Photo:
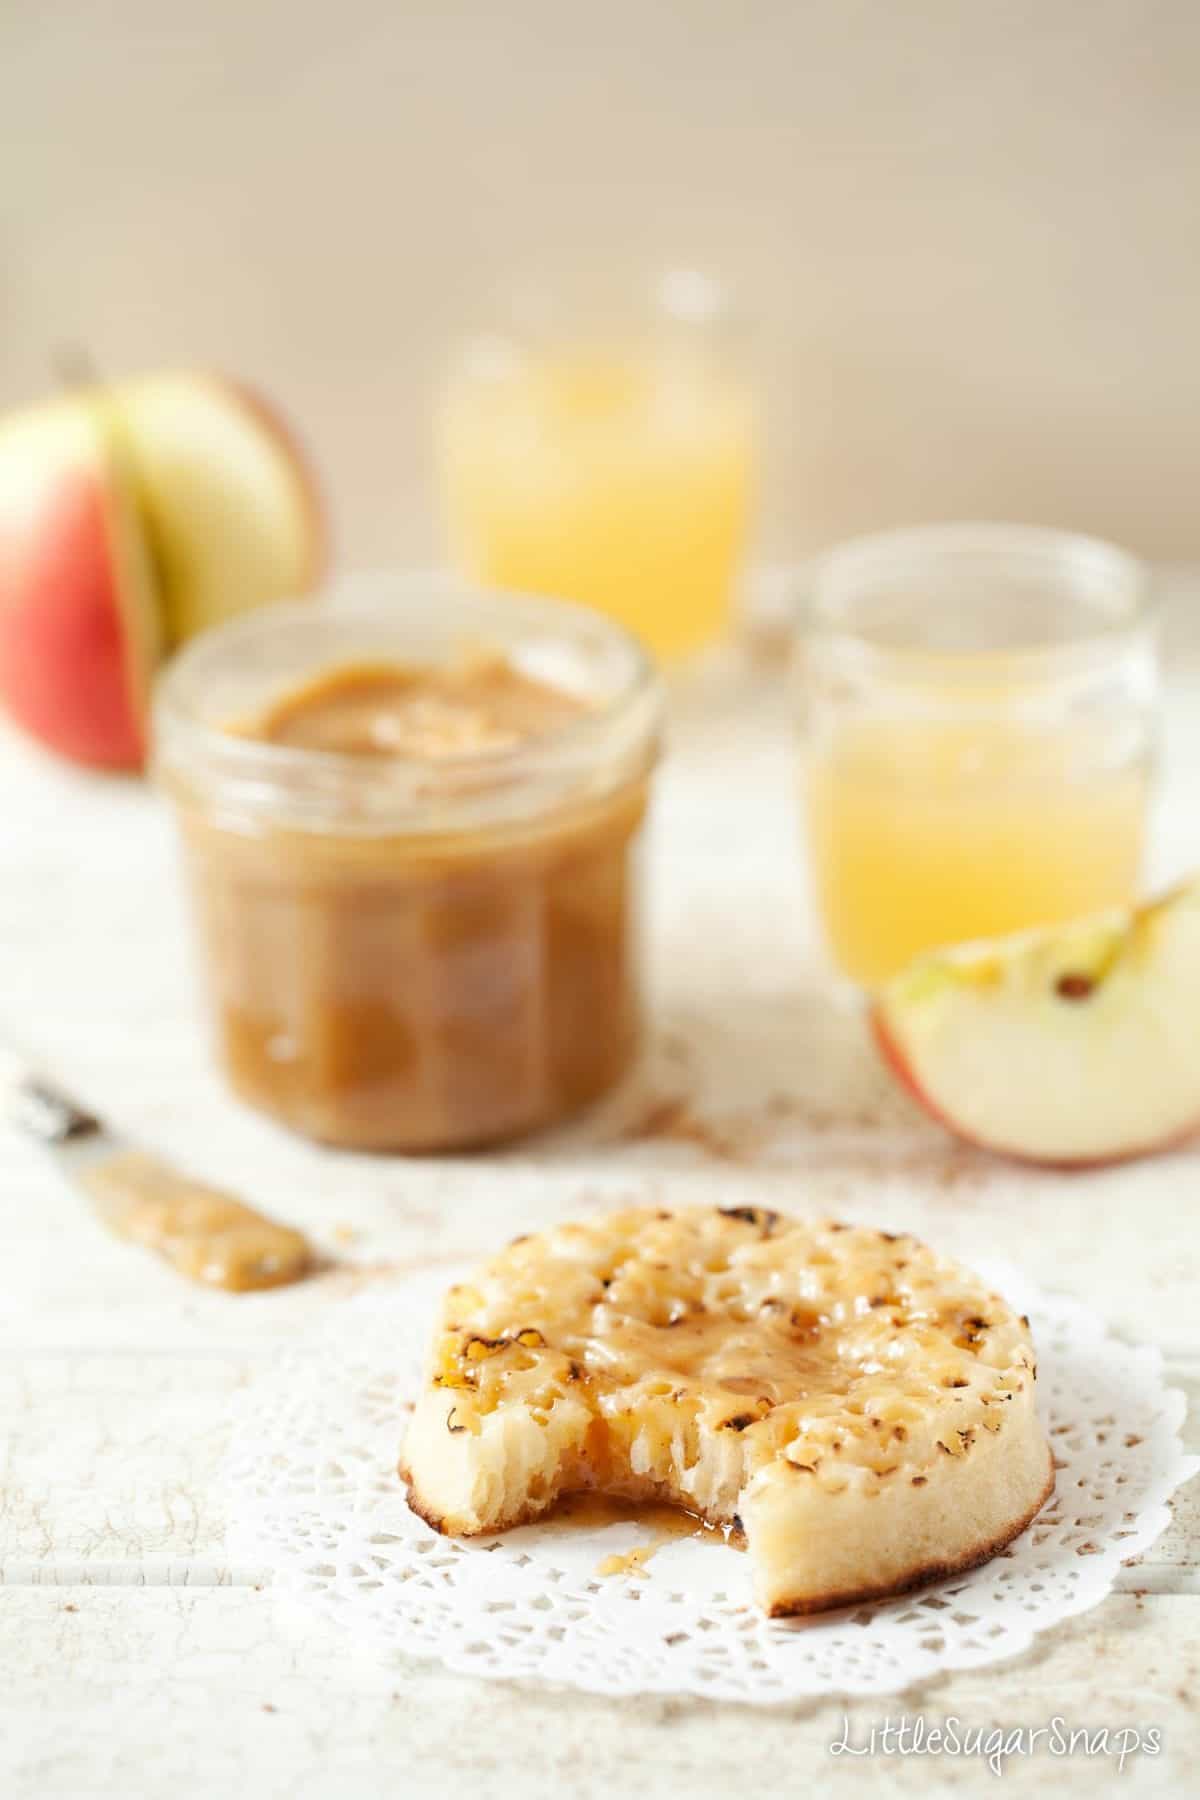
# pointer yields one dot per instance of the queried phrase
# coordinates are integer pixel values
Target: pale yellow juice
(619, 478)
(928, 832)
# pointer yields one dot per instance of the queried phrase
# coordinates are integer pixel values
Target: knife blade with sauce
(207, 1235)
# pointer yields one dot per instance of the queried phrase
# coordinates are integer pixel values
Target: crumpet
(860, 1408)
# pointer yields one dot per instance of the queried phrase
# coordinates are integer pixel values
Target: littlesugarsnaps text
(995, 1745)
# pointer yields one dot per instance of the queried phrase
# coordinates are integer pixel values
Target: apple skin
(78, 632)
(132, 517)
(894, 1057)
(62, 652)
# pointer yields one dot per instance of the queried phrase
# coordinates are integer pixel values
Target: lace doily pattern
(313, 1495)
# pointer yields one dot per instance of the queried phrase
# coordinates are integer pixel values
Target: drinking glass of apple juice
(979, 714)
(589, 451)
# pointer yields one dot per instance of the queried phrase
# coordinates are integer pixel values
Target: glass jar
(406, 953)
(979, 716)
(604, 457)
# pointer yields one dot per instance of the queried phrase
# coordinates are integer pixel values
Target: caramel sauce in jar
(415, 883)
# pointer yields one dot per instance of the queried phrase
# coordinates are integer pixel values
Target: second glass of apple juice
(979, 713)
(590, 456)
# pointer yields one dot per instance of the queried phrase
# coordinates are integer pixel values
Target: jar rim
(1121, 605)
(332, 791)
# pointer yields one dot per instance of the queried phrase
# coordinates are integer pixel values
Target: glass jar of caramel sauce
(410, 818)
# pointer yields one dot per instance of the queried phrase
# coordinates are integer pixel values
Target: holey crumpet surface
(861, 1410)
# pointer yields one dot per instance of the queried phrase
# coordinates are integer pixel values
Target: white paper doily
(313, 1495)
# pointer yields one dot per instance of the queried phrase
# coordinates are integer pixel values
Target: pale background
(968, 229)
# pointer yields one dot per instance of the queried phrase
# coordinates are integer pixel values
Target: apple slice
(232, 510)
(1071, 1045)
(79, 628)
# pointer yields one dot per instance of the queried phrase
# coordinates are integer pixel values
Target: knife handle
(46, 1113)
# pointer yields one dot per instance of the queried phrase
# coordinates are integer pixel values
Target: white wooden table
(137, 1659)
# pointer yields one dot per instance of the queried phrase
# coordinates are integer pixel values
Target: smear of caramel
(206, 1235)
(661, 1524)
(672, 1119)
